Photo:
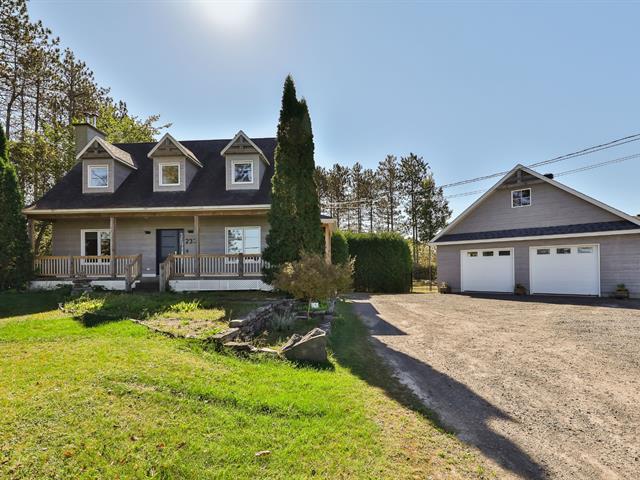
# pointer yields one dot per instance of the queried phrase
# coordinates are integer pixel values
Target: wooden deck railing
(88, 266)
(211, 265)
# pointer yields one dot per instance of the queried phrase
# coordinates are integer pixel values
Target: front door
(168, 241)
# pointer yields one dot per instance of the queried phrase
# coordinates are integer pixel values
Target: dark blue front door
(168, 241)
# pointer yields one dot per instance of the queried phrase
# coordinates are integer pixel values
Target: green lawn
(114, 400)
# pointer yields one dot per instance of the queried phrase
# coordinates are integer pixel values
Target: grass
(423, 286)
(115, 400)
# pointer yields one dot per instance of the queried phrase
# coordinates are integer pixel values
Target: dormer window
(98, 176)
(169, 174)
(521, 198)
(242, 171)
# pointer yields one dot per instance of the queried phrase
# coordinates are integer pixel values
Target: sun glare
(227, 14)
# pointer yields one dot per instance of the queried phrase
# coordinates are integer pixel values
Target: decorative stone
(310, 348)
(237, 323)
(225, 336)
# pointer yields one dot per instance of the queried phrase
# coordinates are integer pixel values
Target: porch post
(112, 260)
(196, 231)
(327, 242)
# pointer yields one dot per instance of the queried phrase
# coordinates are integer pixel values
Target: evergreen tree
(15, 254)
(413, 171)
(295, 210)
(433, 214)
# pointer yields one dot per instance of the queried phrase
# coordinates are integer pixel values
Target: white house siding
(619, 260)
(131, 238)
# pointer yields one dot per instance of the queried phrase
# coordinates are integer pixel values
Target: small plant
(282, 320)
(312, 278)
(185, 307)
(621, 291)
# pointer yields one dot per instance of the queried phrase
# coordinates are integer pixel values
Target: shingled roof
(208, 188)
(540, 231)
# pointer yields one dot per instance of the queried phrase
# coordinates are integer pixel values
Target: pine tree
(15, 254)
(295, 210)
(413, 171)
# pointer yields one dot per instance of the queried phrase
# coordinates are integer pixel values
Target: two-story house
(193, 213)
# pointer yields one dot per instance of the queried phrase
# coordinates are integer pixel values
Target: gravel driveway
(543, 387)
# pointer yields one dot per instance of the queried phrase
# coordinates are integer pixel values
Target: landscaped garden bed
(190, 315)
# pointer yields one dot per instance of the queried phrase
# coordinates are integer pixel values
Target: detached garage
(531, 231)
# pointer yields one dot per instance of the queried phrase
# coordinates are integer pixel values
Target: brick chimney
(85, 131)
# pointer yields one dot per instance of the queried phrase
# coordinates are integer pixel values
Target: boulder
(310, 348)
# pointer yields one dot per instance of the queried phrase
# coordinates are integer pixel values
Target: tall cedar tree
(15, 254)
(295, 209)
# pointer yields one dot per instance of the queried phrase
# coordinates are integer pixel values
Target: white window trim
(522, 190)
(83, 232)
(233, 171)
(169, 164)
(91, 167)
(226, 238)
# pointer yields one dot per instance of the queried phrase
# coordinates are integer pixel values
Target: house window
(243, 240)
(521, 198)
(169, 174)
(487, 254)
(98, 176)
(95, 243)
(563, 251)
(543, 251)
(242, 172)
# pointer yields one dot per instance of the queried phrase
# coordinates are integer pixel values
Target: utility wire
(560, 174)
(586, 151)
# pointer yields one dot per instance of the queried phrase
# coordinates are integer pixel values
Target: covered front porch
(183, 252)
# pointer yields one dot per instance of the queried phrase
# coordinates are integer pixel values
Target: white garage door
(487, 270)
(565, 270)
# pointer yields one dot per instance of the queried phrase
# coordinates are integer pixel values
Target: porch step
(147, 284)
(80, 286)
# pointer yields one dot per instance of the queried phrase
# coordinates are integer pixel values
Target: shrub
(339, 248)
(382, 262)
(421, 272)
(312, 278)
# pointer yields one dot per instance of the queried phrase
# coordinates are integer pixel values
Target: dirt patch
(186, 327)
(543, 387)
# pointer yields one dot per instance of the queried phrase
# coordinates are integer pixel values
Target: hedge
(382, 262)
(339, 248)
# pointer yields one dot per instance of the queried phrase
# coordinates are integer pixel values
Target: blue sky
(472, 87)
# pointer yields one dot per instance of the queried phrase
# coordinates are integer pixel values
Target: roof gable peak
(242, 141)
(113, 151)
(166, 139)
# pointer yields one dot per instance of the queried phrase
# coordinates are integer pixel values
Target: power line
(586, 151)
(560, 174)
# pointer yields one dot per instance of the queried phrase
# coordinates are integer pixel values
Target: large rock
(310, 348)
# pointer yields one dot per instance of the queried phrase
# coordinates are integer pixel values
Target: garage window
(521, 198)
(472, 254)
(543, 251)
(487, 254)
(585, 249)
(504, 253)
(563, 251)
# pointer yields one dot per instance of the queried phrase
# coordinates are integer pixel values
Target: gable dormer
(174, 165)
(245, 163)
(104, 166)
